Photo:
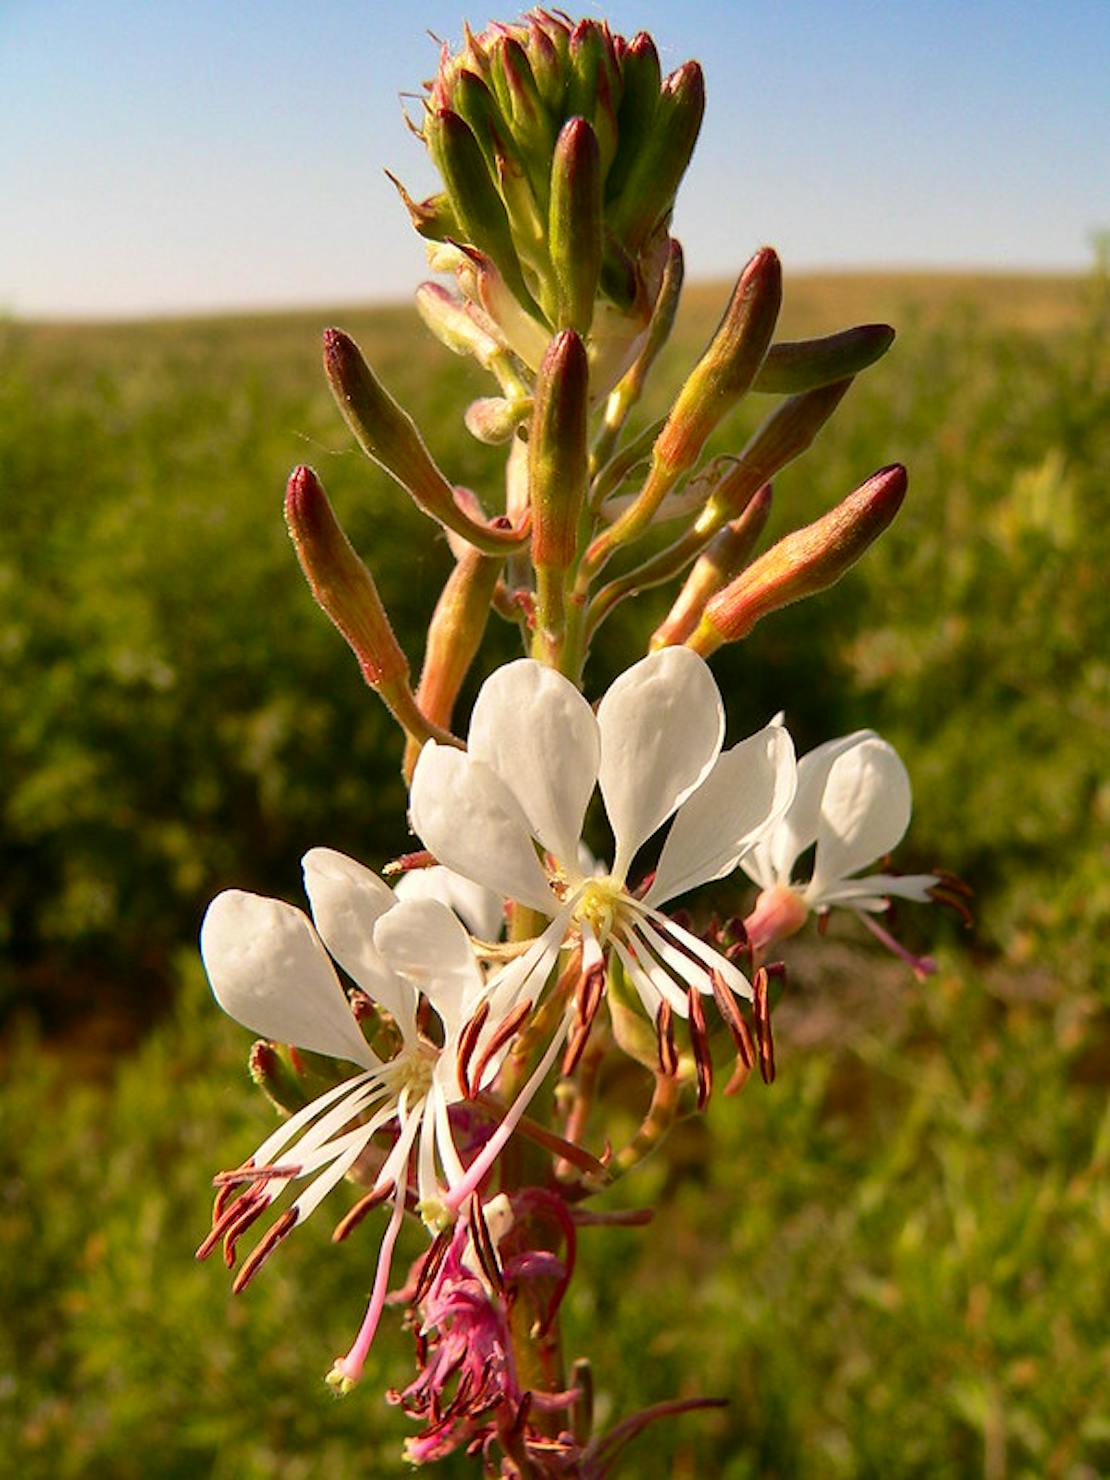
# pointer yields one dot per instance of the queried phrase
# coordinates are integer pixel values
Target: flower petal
(533, 727)
(798, 829)
(873, 891)
(427, 946)
(270, 972)
(865, 811)
(746, 792)
(480, 910)
(471, 821)
(662, 724)
(347, 901)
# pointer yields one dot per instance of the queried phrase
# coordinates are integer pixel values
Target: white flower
(536, 752)
(853, 801)
(269, 970)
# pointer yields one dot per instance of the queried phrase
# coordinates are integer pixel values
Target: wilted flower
(853, 801)
(270, 971)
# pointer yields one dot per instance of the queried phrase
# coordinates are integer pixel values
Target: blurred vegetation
(893, 1261)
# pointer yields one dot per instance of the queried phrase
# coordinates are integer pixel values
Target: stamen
(954, 896)
(225, 1217)
(763, 1037)
(588, 996)
(262, 1251)
(254, 1204)
(729, 1009)
(483, 1244)
(253, 1174)
(699, 1042)
(433, 1260)
(500, 1037)
(468, 1042)
(350, 1221)
(664, 1036)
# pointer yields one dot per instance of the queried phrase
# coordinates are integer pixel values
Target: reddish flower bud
(807, 561)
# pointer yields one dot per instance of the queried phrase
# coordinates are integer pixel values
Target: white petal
(270, 972)
(798, 829)
(427, 946)
(480, 910)
(347, 901)
(533, 727)
(746, 792)
(865, 811)
(874, 890)
(662, 723)
(471, 821)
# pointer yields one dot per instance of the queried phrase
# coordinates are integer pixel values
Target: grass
(892, 1261)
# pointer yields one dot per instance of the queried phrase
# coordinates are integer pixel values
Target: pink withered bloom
(269, 969)
(853, 801)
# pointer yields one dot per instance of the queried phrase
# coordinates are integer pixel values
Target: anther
(762, 1009)
(483, 1245)
(699, 1042)
(664, 1035)
(500, 1036)
(350, 1221)
(262, 1251)
(433, 1260)
(468, 1042)
(252, 1205)
(728, 1008)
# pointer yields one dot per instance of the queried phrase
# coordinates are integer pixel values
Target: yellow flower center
(599, 906)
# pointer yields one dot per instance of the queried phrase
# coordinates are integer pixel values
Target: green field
(893, 1261)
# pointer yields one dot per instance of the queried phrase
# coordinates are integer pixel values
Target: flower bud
(454, 636)
(648, 191)
(577, 232)
(807, 561)
(271, 1072)
(727, 368)
(805, 364)
(724, 557)
(474, 197)
(574, 234)
(557, 451)
(340, 581)
(389, 437)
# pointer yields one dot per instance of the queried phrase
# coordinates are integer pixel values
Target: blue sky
(187, 154)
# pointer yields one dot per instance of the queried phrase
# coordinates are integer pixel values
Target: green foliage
(893, 1260)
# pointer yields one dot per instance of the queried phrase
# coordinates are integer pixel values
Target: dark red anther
(575, 1048)
(699, 1042)
(468, 1042)
(664, 1037)
(500, 1036)
(262, 1251)
(252, 1205)
(249, 1173)
(483, 1245)
(433, 1259)
(729, 1009)
(225, 1217)
(822, 922)
(350, 1221)
(763, 1037)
